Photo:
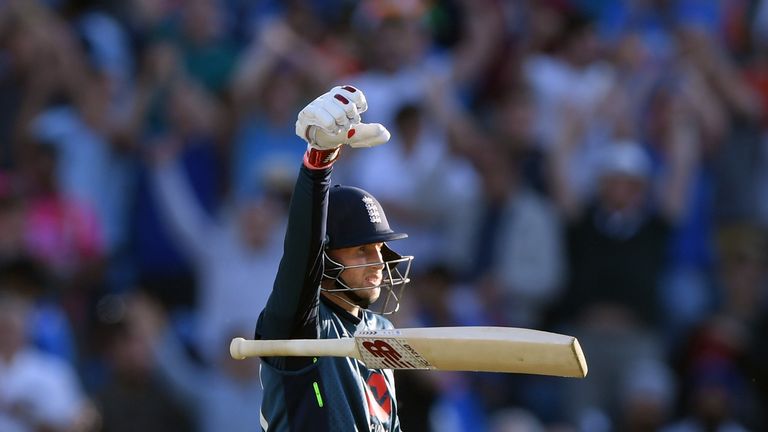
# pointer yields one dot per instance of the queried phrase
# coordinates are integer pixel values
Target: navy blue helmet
(356, 218)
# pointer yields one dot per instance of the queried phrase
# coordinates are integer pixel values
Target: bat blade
(481, 349)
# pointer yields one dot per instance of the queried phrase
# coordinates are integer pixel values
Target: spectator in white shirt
(232, 252)
(38, 391)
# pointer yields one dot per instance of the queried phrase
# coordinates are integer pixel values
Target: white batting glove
(333, 120)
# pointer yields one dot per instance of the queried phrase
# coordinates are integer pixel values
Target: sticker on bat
(390, 353)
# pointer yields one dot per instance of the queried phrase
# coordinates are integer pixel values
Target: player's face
(365, 276)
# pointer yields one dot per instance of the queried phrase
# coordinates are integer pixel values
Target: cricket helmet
(356, 218)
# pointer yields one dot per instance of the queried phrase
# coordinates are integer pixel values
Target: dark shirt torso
(615, 270)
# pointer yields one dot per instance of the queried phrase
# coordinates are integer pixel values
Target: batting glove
(333, 120)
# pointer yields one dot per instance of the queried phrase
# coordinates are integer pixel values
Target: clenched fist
(333, 120)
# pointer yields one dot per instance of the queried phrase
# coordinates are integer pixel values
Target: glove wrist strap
(320, 159)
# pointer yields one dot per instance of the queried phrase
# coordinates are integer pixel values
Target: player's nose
(377, 265)
(376, 261)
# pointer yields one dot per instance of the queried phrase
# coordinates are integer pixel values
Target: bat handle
(235, 348)
(241, 348)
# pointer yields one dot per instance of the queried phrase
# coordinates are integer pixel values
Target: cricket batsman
(336, 263)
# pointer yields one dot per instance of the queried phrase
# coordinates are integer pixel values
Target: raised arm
(191, 226)
(328, 123)
(569, 201)
(683, 152)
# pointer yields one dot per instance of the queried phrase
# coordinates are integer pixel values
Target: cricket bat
(480, 349)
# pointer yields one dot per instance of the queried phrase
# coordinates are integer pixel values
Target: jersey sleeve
(292, 309)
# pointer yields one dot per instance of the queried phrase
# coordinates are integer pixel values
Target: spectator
(647, 396)
(233, 253)
(38, 391)
(712, 401)
(515, 247)
(172, 108)
(135, 397)
(207, 48)
(49, 329)
(622, 218)
(222, 394)
(62, 232)
(616, 243)
(569, 72)
(719, 347)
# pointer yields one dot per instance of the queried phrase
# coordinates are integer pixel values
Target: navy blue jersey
(324, 393)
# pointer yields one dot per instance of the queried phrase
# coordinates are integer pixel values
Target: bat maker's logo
(388, 354)
(373, 210)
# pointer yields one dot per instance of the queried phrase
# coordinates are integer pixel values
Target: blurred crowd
(597, 168)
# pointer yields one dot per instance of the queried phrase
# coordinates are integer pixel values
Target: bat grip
(241, 348)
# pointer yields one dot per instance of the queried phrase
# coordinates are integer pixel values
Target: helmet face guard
(395, 277)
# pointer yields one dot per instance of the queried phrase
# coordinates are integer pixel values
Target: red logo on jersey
(377, 395)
